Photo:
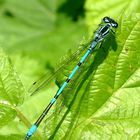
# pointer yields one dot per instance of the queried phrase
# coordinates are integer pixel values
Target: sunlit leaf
(11, 90)
(104, 101)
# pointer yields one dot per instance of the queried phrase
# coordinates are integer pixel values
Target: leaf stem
(27, 123)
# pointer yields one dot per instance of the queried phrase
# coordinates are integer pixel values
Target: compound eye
(114, 25)
(106, 19)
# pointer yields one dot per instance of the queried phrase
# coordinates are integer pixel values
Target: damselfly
(106, 27)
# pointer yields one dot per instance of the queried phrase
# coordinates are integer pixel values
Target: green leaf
(11, 90)
(102, 101)
(11, 98)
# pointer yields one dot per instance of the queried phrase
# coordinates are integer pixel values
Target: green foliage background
(103, 100)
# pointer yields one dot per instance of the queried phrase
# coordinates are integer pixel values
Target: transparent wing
(57, 110)
(45, 79)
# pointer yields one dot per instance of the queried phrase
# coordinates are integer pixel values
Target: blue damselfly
(106, 27)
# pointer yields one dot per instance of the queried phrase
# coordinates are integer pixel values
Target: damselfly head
(110, 21)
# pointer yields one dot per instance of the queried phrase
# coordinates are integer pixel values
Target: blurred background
(35, 34)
